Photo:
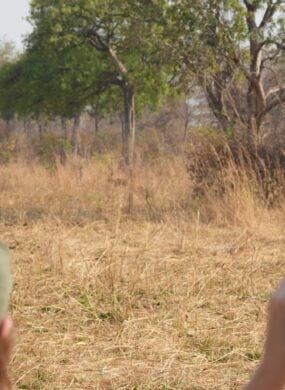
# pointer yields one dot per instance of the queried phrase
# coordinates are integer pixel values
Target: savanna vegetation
(142, 191)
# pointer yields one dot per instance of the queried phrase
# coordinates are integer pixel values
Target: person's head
(5, 319)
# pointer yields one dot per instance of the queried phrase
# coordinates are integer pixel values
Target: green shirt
(5, 280)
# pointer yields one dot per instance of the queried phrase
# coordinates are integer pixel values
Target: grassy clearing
(158, 300)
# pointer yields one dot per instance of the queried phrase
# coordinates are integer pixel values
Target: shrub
(50, 147)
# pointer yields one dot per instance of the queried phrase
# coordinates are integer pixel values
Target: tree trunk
(97, 121)
(122, 121)
(185, 131)
(40, 128)
(129, 128)
(27, 126)
(74, 135)
(255, 106)
(64, 127)
(214, 94)
(8, 128)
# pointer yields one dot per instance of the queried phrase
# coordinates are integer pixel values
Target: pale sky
(13, 25)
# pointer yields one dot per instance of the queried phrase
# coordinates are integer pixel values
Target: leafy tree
(43, 85)
(122, 40)
(8, 56)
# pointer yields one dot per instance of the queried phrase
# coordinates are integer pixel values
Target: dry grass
(158, 300)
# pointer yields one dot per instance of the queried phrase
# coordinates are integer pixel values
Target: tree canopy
(231, 52)
(125, 56)
(96, 47)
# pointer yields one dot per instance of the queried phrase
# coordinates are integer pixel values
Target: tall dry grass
(168, 295)
(81, 191)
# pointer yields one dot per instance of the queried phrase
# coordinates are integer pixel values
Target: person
(6, 326)
(270, 375)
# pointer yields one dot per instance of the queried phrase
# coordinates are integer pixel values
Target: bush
(49, 148)
(7, 150)
(217, 162)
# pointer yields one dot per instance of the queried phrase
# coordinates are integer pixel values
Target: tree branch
(275, 90)
(120, 66)
(270, 57)
(274, 102)
(270, 11)
(251, 7)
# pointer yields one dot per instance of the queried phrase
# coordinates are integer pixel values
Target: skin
(270, 375)
(6, 343)
(6, 326)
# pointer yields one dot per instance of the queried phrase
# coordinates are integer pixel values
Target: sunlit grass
(157, 299)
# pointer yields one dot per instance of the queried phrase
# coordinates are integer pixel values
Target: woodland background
(142, 190)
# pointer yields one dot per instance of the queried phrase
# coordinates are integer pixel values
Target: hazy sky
(12, 20)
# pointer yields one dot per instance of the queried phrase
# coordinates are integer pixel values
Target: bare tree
(233, 56)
